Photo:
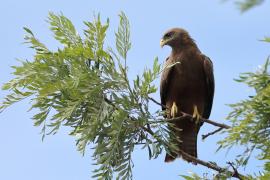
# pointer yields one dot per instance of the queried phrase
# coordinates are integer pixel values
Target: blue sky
(221, 32)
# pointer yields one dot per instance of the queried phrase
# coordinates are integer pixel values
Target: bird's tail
(189, 141)
(188, 144)
(170, 157)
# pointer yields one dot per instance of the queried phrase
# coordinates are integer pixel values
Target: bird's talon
(196, 115)
(174, 110)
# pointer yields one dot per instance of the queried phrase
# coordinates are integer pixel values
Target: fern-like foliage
(85, 85)
(250, 119)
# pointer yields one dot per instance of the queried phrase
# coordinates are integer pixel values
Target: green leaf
(28, 30)
(248, 4)
(63, 29)
(123, 43)
(188, 177)
(266, 39)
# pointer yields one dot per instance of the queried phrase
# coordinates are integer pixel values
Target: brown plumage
(187, 84)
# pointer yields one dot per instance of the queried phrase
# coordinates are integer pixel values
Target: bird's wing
(164, 82)
(210, 85)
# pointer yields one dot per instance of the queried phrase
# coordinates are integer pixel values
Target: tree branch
(213, 166)
(143, 143)
(204, 136)
(201, 162)
(156, 102)
(188, 116)
(185, 116)
(236, 173)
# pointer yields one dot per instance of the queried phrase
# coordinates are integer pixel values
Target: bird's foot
(196, 115)
(174, 110)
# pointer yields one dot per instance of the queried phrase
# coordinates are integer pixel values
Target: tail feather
(189, 141)
(188, 144)
(170, 157)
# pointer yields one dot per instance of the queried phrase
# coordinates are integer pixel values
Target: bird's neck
(185, 48)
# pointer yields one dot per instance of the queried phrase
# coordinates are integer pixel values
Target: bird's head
(175, 37)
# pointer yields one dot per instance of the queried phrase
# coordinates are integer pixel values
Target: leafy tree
(250, 120)
(85, 86)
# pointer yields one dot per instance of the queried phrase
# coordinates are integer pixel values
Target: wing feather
(164, 83)
(210, 85)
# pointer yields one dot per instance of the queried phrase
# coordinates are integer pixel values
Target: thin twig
(143, 143)
(213, 166)
(236, 173)
(189, 117)
(201, 162)
(185, 116)
(225, 126)
(204, 136)
(155, 101)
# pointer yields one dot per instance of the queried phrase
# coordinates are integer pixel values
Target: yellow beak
(162, 43)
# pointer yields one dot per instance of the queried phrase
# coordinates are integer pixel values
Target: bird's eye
(167, 35)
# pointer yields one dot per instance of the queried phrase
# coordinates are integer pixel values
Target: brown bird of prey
(187, 85)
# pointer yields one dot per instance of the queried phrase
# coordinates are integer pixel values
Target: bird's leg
(196, 115)
(174, 110)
